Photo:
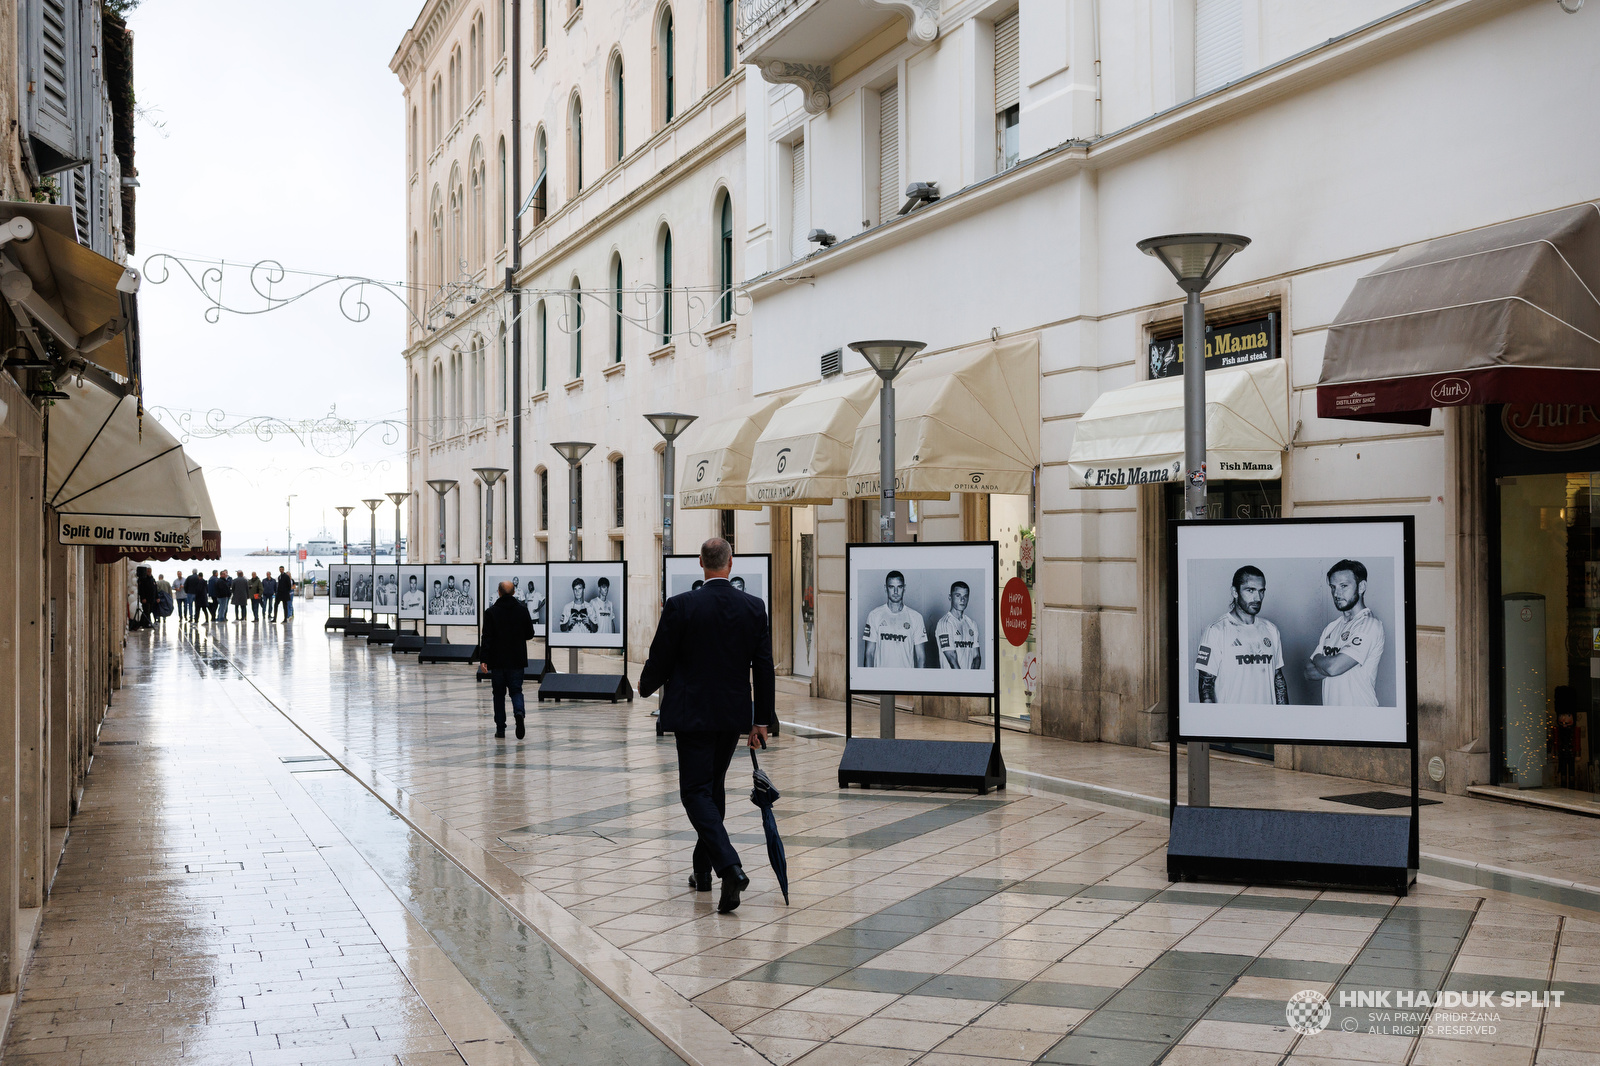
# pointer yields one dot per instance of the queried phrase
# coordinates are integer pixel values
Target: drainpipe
(1094, 14)
(516, 295)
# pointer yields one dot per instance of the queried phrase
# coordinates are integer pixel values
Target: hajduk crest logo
(1451, 390)
(1308, 1012)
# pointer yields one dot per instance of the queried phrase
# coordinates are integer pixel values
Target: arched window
(436, 109)
(500, 26)
(501, 384)
(436, 216)
(727, 37)
(475, 54)
(541, 349)
(505, 196)
(414, 411)
(544, 498)
(665, 245)
(616, 492)
(479, 218)
(416, 146)
(666, 68)
(575, 145)
(457, 205)
(575, 318)
(480, 58)
(480, 378)
(416, 273)
(542, 10)
(437, 388)
(616, 308)
(456, 103)
(538, 195)
(725, 258)
(614, 112)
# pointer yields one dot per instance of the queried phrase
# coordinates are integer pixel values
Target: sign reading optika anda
(127, 530)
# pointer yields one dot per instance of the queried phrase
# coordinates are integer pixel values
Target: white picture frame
(386, 591)
(533, 589)
(600, 620)
(455, 601)
(413, 601)
(750, 573)
(361, 576)
(339, 584)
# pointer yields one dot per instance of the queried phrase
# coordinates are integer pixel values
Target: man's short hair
(577, 581)
(891, 575)
(603, 583)
(963, 586)
(716, 554)
(1247, 571)
(1358, 570)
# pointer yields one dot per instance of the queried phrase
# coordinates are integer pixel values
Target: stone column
(61, 702)
(10, 643)
(33, 827)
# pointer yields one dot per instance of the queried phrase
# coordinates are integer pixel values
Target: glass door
(1008, 515)
(803, 561)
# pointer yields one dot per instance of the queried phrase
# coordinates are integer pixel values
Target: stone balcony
(797, 42)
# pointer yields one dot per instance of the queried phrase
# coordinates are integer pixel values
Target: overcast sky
(274, 131)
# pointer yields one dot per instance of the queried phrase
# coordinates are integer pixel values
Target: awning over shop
(113, 481)
(803, 455)
(209, 547)
(717, 456)
(965, 421)
(1134, 435)
(1506, 314)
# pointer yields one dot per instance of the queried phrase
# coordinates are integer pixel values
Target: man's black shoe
(700, 882)
(521, 731)
(733, 883)
(500, 732)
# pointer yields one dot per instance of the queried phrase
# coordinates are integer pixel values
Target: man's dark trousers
(503, 681)
(703, 760)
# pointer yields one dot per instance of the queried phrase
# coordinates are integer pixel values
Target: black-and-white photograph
(750, 573)
(922, 618)
(451, 591)
(1279, 620)
(339, 584)
(361, 586)
(385, 590)
(412, 585)
(531, 589)
(588, 605)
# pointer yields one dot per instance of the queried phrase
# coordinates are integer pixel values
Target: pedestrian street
(298, 848)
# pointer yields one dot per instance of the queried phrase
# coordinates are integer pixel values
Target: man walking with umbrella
(710, 645)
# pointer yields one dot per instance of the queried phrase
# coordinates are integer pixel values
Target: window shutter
(1006, 81)
(55, 62)
(79, 198)
(799, 217)
(1218, 43)
(888, 153)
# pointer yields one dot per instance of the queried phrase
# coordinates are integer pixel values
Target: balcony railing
(755, 15)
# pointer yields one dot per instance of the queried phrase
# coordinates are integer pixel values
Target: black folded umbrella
(763, 795)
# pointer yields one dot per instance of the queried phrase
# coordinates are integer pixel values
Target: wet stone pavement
(296, 848)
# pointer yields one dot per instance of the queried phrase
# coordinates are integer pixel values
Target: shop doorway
(803, 571)
(1008, 519)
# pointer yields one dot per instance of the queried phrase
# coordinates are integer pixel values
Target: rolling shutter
(1006, 81)
(799, 217)
(1218, 43)
(888, 153)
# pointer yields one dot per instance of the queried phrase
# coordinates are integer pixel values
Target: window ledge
(539, 59)
(574, 384)
(540, 397)
(577, 13)
(666, 351)
(615, 370)
(500, 67)
(722, 329)
(615, 533)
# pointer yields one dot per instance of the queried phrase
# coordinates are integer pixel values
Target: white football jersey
(1243, 658)
(1361, 638)
(896, 636)
(957, 637)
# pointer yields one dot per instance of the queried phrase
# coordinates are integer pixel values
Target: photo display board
(386, 590)
(750, 573)
(339, 584)
(1276, 622)
(588, 604)
(532, 588)
(451, 594)
(413, 595)
(361, 586)
(922, 618)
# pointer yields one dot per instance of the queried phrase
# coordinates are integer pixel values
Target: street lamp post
(372, 551)
(397, 498)
(490, 475)
(288, 531)
(573, 452)
(671, 427)
(887, 359)
(1195, 259)
(344, 513)
(441, 487)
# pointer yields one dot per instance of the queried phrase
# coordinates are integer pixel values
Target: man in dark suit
(709, 645)
(503, 648)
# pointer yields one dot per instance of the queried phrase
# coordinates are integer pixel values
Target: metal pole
(397, 559)
(667, 502)
(442, 544)
(488, 524)
(886, 515)
(1194, 488)
(515, 531)
(572, 541)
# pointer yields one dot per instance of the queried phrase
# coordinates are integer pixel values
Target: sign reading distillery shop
(1255, 341)
(1551, 427)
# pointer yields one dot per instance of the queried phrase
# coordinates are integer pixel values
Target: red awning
(1506, 314)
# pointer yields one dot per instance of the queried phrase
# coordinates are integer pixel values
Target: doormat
(1377, 801)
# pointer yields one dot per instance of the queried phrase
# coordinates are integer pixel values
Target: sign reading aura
(1551, 427)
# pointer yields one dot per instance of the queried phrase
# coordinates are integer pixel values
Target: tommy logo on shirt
(1252, 660)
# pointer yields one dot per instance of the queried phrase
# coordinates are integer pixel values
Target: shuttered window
(52, 38)
(1218, 43)
(799, 216)
(1006, 90)
(888, 153)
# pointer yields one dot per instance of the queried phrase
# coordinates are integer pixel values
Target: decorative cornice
(814, 79)
(923, 15)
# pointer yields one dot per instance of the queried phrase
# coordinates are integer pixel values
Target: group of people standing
(200, 598)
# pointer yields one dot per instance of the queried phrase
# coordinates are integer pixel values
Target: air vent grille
(832, 362)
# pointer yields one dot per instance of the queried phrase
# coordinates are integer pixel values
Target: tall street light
(490, 475)
(344, 513)
(573, 452)
(441, 487)
(288, 531)
(671, 426)
(372, 545)
(887, 358)
(1195, 259)
(397, 498)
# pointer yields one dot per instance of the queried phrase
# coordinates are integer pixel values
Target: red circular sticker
(1016, 612)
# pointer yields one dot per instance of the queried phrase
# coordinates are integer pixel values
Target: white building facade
(1058, 134)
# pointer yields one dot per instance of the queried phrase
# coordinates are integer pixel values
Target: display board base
(974, 764)
(446, 653)
(1322, 849)
(358, 627)
(407, 641)
(536, 670)
(382, 635)
(338, 623)
(611, 687)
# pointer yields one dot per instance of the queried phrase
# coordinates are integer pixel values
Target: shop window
(726, 526)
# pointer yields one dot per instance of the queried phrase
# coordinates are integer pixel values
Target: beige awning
(803, 455)
(717, 456)
(965, 421)
(115, 481)
(1134, 435)
(82, 298)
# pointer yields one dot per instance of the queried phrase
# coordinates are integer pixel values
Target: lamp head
(397, 498)
(1194, 258)
(373, 505)
(345, 511)
(670, 424)
(442, 485)
(888, 358)
(572, 451)
(490, 474)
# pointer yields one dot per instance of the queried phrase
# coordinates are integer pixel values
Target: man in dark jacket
(269, 596)
(285, 595)
(147, 598)
(503, 648)
(211, 597)
(709, 645)
(195, 586)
